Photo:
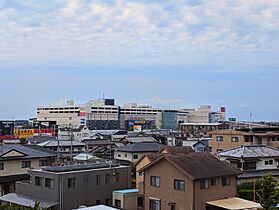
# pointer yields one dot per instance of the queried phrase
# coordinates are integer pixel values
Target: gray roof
(24, 200)
(28, 151)
(258, 173)
(62, 143)
(140, 139)
(141, 147)
(255, 151)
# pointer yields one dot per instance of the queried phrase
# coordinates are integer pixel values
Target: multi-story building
(228, 139)
(102, 114)
(16, 159)
(63, 114)
(68, 187)
(189, 182)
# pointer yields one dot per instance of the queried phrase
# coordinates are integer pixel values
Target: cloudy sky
(170, 54)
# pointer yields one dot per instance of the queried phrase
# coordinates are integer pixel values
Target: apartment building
(189, 182)
(16, 160)
(227, 139)
(69, 187)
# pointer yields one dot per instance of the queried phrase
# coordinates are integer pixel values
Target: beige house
(189, 182)
(16, 159)
(227, 139)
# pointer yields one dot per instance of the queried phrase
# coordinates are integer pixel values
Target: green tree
(268, 193)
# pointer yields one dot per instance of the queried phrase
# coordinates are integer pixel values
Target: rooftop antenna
(104, 96)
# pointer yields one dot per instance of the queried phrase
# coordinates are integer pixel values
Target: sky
(169, 54)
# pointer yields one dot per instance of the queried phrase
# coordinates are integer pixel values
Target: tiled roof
(62, 143)
(199, 165)
(258, 173)
(140, 139)
(178, 149)
(141, 147)
(28, 151)
(255, 151)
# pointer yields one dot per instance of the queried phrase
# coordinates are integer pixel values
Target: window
(71, 182)
(235, 139)
(226, 181)
(155, 181)
(42, 162)
(204, 184)
(38, 181)
(172, 206)
(117, 177)
(117, 203)
(107, 201)
(119, 155)
(154, 204)
(135, 156)
(179, 185)
(98, 179)
(140, 202)
(219, 138)
(98, 202)
(213, 182)
(125, 155)
(1, 166)
(25, 164)
(49, 183)
(219, 150)
(107, 178)
(268, 162)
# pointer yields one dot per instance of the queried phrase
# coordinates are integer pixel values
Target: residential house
(79, 134)
(16, 159)
(255, 161)
(133, 152)
(187, 181)
(69, 187)
(228, 139)
(64, 148)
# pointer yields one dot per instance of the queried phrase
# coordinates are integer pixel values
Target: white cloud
(140, 33)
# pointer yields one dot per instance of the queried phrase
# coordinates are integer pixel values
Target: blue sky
(169, 54)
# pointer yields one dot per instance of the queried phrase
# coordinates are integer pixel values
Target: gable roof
(141, 147)
(177, 149)
(62, 143)
(199, 165)
(138, 139)
(27, 151)
(253, 151)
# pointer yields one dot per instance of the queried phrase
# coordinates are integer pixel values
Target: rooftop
(80, 167)
(19, 151)
(141, 147)
(199, 165)
(253, 151)
(127, 191)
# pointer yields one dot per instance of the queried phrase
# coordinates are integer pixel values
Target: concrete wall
(86, 191)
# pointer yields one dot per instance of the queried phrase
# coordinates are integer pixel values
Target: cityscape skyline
(168, 54)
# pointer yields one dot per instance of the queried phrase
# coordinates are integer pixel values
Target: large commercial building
(103, 114)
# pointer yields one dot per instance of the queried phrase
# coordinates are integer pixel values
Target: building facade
(69, 187)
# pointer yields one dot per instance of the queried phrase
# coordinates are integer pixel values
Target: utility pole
(71, 139)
